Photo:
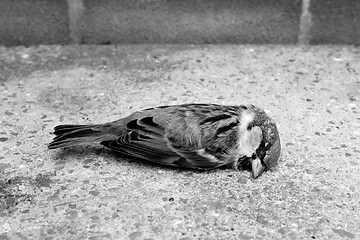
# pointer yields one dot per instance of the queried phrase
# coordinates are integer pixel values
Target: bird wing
(191, 136)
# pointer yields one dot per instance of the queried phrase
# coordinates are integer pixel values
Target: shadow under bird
(196, 136)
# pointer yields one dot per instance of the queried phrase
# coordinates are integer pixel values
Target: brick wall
(29, 22)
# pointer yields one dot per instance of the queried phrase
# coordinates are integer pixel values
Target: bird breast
(249, 139)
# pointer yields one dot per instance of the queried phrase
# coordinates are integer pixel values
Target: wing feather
(196, 137)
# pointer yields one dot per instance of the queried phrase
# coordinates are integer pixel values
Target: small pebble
(3, 139)
(31, 151)
(135, 235)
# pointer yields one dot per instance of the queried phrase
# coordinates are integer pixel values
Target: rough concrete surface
(313, 93)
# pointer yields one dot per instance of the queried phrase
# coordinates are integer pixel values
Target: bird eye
(253, 156)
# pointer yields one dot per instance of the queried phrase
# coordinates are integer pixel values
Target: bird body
(197, 136)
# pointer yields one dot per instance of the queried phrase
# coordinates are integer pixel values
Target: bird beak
(257, 167)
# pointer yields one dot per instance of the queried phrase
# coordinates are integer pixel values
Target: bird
(194, 136)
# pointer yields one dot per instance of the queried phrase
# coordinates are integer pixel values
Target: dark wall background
(32, 22)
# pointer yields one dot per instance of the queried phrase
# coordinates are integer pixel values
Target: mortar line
(306, 23)
(75, 11)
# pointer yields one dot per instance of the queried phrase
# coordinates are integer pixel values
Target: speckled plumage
(197, 136)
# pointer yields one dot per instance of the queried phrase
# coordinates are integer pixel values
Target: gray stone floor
(313, 94)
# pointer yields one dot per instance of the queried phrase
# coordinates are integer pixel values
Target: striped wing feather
(188, 138)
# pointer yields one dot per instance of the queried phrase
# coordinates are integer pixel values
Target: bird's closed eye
(244, 163)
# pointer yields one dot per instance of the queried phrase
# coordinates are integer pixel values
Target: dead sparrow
(197, 136)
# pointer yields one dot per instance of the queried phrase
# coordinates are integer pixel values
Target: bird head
(266, 139)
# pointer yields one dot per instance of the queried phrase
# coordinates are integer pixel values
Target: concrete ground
(313, 94)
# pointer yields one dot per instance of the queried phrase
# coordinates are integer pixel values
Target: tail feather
(65, 143)
(62, 129)
(72, 135)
